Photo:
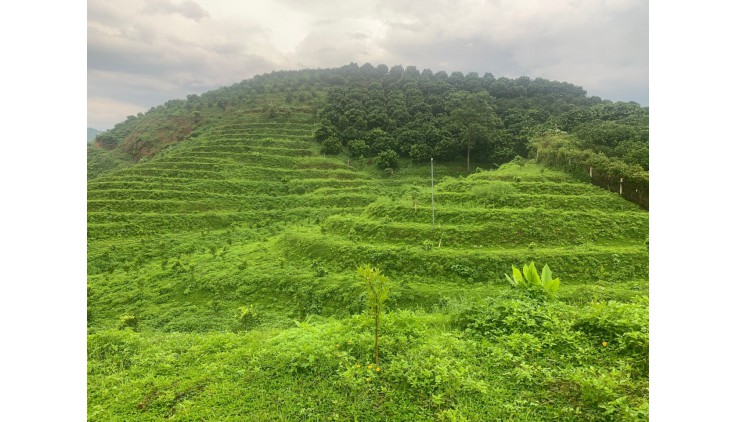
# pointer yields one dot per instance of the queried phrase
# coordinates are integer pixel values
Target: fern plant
(533, 284)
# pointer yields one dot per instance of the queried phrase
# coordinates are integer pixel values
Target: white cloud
(187, 8)
(106, 112)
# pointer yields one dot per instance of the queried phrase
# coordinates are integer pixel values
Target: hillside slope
(222, 283)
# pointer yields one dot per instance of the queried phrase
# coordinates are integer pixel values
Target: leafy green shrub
(519, 160)
(331, 146)
(247, 317)
(465, 272)
(129, 321)
(612, 319)
(113, 349)
(320, 271)
(315, 346)
(420, 153)
(622, 326)
(437, 370)
(358, 148)
(495, 317)
(532, 284)
(491, 192)
(451, 415)
(387, 159)
(605, 394)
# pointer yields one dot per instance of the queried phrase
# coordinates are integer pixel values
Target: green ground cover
(222, 285)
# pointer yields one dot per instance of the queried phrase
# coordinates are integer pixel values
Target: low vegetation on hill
(224, 239)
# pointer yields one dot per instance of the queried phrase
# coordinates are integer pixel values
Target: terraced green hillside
(222, 286)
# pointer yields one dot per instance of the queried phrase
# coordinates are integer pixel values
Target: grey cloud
(603, 50)
(337, 46)
(188, 8)
(464, 55)
(148, 58)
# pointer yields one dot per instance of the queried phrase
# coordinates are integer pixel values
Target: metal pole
(433, 202)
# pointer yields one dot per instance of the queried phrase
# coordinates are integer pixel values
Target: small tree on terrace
(331, 146)
(414, 192)
(377, 291)
(387, 159)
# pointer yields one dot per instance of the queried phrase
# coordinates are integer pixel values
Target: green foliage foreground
(507, 358)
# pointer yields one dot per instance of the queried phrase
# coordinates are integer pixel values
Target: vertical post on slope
(433, 202)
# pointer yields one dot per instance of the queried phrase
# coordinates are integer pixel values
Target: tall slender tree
(474, 118)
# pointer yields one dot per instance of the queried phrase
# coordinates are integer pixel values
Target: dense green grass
(248, 213)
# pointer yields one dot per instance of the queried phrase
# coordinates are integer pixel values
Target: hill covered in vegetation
(225, 232)
(369, 110)
(92, 134)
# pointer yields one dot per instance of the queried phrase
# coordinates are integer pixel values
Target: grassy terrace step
(237, 122)
(230, 186)
(217, 155)
(308, 185)
(173, 173)
(187, 157)
(387, 210)
(251, 120)
(256, 139)
(154, 194)
(110, 224)
(252, 131)
(154, 184)
(572, 264)
(267, 126)
(249, 145)
(530, 172)
(235, 163)
(191, 164)
(261, 137)
(374, 189)
(246, 172)
(158, 218)
(266, 132)
(465, 185)
(196, 195)
(164, 206)
(503, 229)
(103, 225)
(242, 203)
(602, 201)
(513, 178)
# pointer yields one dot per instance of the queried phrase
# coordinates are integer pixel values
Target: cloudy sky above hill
(141, 53)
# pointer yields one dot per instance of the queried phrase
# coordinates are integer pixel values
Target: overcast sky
(141, 53)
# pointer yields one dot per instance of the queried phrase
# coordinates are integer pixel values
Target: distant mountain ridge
(92, 133)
